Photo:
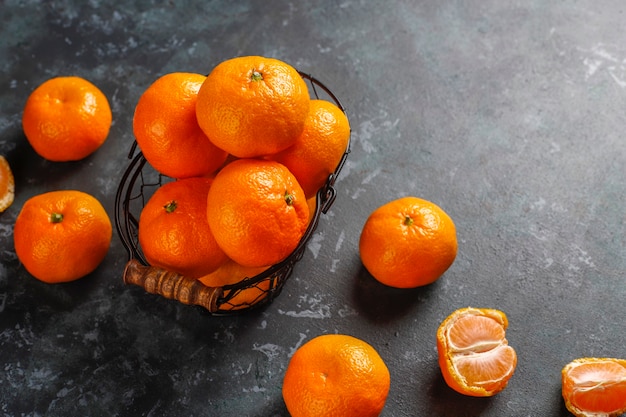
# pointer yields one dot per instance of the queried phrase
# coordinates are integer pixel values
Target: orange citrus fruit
(336, 375)
(319, 148)
(62, 236)
(257, 211)
(474, 355)
(66, 119)
(408, 242)
(253, 106)
(173, 229)
(167, 131)
(595, 387)
(7, 185)
(230, 272)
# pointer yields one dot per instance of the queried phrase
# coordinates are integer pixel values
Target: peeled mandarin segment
(474, 355)
(7, 185)
(475, 334)
(486, 369)
(595, 387)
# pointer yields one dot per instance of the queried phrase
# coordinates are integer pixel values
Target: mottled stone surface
(509, 115)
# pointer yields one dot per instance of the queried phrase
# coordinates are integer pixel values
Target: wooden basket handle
(172, 285)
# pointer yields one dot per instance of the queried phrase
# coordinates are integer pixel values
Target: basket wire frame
(139, 182)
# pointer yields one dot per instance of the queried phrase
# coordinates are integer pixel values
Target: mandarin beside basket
(138, 183)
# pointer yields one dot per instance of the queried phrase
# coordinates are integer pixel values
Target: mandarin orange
(336, 375)
(173, 229)
(408, 242)
(474, 355)
(257, 211)
(167, 131)
(319, 148)
(252, 106)
(7, 185)
(229, 273)
(66, 119)
(595, 387)
(62, 236)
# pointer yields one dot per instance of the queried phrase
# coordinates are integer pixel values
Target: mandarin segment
(595, 387)
(474, 355)
(336, 375)
(7, 185)
(253, 106)
(66, 119)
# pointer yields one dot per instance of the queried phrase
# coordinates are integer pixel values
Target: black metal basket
(139, 182)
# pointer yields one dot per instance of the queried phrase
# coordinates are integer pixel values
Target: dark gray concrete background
(507, 114)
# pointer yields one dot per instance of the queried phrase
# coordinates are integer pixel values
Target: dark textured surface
(509, 115)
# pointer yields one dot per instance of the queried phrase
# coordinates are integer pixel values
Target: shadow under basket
(139, 182)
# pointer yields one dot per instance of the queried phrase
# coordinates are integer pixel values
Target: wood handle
(171, 285)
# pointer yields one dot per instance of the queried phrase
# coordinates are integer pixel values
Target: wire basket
(139, 182)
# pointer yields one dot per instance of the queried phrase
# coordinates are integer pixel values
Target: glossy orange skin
(253, 106)
(257, 211)
(66, 119)
(408, 242)
(595, 386)
(336, 375)
(474, 356)
(177, 237)
(7, 185)
(320, 147)
(166, 129)
(55, 249)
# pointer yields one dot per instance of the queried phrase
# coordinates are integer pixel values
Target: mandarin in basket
(66, 119)
(336, 375)
(474, 355)
(595, 387)
(7, 184)
(230, 272)
(253, 106)
(167, 131)
(319, 148)
(62, 236)
(257, 211)
(408, 242)
(173, 229)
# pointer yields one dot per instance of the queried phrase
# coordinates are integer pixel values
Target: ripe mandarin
(62, 236)
(408, 242)
(66, 119)
(336, 375)
(167, 131)
(257, 211)
(231, 273)
(319, 148)
(173, 229)
(253, 106)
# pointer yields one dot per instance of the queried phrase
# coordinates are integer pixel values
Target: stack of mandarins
(248, 149)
